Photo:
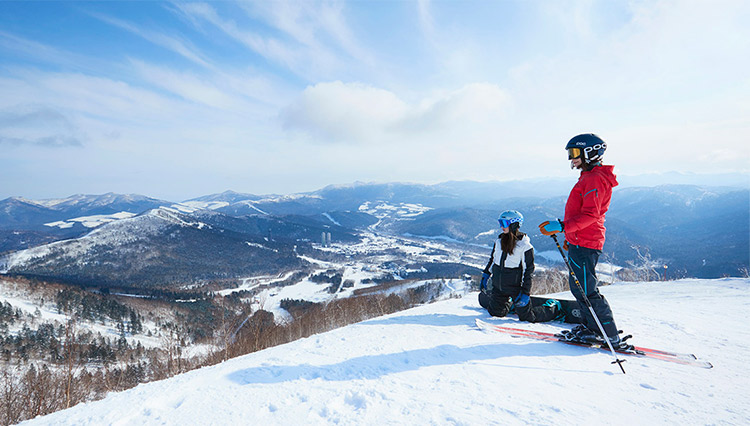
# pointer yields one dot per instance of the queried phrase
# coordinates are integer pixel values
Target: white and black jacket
(511, 272)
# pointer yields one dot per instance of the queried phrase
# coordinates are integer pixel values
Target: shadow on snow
(375, 366)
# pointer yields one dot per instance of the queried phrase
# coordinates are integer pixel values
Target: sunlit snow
(431, 365)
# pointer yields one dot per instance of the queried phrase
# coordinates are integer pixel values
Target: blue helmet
(509, 217)
(588, 145)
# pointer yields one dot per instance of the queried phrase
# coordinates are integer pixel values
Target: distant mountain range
(133, 240)
(21, 214)
(164, 247)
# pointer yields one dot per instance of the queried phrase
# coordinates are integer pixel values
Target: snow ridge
(431, 365)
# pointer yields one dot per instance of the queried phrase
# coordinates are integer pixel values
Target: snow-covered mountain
(90, 221)
(226, 197)
(18, 213)
(678, 224)
(431, 365)
(159, 248)
(104, 203)
(696, 231)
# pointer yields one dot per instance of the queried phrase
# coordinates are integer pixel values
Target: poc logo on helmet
(596, 147)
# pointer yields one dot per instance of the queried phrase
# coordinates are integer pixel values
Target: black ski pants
(583, 261)
(537, 313)
(499, 304)
(496, 302)
(506, 286)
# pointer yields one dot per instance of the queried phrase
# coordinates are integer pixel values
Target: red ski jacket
(587, 203)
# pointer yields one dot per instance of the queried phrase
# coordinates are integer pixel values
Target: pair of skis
(674, 357)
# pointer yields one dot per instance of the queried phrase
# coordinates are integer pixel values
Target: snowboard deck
(570, 309)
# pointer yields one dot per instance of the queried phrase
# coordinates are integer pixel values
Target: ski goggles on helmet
(505, 223)
(574, 153)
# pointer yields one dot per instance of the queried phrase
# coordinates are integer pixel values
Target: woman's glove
(521, 300)
(485, 277)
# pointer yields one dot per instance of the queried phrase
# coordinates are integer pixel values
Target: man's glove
(485, 277)
(551, 228)
(565, 245)
(521, 300)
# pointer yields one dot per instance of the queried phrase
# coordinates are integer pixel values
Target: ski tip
(482, 325)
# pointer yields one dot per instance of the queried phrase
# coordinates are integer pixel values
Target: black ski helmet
(588, 145)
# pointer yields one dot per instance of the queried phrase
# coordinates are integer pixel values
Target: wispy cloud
(173, 43)
(426, 21)
(189, 86)
(37, 125)
(46, 54)
(55, 141)
(320, 27)
(268, 47)
(310, 39)
(34, 116)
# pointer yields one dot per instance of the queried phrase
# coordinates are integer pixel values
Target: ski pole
(617, 360)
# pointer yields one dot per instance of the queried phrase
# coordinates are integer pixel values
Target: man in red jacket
(583, 225)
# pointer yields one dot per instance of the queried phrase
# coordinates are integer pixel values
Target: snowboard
(571, 311)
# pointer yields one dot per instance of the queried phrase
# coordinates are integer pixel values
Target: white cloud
(339, 112)
(358, 113)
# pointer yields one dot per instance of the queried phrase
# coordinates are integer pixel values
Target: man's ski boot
(619, 344)
(584, 335)
(579, 333)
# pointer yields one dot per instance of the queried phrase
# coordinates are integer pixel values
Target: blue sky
(181, 99)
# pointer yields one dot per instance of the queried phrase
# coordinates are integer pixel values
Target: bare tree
(643, 267)
(10, 397)
(70, 350)
(172, 343)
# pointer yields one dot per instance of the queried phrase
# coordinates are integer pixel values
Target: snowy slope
(91, 221)
(430, 365)
(112, 234)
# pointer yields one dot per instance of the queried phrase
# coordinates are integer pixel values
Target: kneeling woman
(511, 267)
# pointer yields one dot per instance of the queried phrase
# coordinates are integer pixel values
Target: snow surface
(328, 216)
(194, 206)
(90, 221)
(431, 365)
(383, 209)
